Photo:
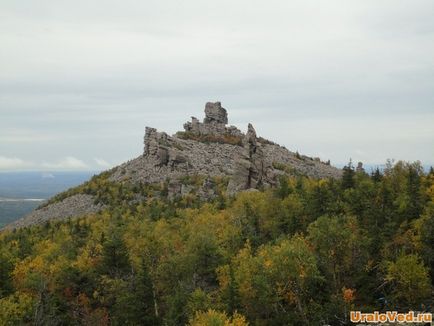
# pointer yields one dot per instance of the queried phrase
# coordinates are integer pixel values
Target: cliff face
(209, 149)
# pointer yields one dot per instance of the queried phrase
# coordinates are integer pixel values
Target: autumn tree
(409, 281)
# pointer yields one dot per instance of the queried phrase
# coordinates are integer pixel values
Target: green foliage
(341, 249)
(303, 253)
(279, 166)
(348, 176)
(210, 138)
(16, 309)
(279, 278)
(114, 260)
(409, 280)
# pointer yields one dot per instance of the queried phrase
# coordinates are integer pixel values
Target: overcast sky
(80, 80)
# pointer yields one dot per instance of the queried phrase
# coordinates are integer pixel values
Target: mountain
(205, 160)
(214, 226)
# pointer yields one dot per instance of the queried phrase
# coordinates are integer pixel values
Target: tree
(275, 284)
(131, 301)
(295, 255)
(376, 175)
(215, 318)
(413, 190)
(141, 305)
(340, 246)
(409, 281)
(283, 189)
(114, 255)
(348, 176)
(16, 309)
(6, 268)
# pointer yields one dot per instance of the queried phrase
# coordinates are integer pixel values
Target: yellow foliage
(89, 257)
(223, 276)
(25, 267)
(268, 263)
(216, 318)
(15, 308)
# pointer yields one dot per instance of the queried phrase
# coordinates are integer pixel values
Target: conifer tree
(348, 176)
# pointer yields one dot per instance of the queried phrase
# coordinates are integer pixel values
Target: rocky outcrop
(161, 150)
(250, 164)
(253, 169)
(156, 146)
(214, 113)
(214, 123)
(360, 168)
(214, 151)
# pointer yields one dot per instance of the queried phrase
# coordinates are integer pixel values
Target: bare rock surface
(74, 206)
(215, 113)
(214, 123)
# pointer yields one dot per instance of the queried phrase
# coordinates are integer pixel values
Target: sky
(80, 80)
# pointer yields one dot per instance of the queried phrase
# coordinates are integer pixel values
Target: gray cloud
(337, 79)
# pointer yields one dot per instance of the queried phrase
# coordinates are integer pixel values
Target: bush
(221, 139)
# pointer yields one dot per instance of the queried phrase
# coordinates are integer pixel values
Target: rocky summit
(206, 152)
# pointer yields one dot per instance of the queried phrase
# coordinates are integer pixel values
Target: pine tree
(413, 186)
(376, 176)
(115, 255)
(283, 190)
(348, 176)
(145, 307)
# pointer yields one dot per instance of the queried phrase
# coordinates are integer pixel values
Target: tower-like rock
(214, 123)
(215, 113)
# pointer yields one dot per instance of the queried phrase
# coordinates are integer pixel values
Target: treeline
(305, 253)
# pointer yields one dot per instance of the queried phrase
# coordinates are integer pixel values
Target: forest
(304, 253)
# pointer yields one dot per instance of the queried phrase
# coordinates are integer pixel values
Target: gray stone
(214, 123)
(359, 167)
(74, 206)
(249, 166)
(250, 135)
(214, 113)
(253, 170)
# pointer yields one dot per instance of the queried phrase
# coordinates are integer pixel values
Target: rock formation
(253, 169)
(249, 164)
(360, 167)
(160, 150)
(214, 113)
(214, 123)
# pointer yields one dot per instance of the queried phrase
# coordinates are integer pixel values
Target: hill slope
(207, 158)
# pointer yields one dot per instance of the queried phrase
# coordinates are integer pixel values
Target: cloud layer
(335, 79)
(12, 163)
(68, 163)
